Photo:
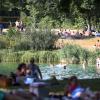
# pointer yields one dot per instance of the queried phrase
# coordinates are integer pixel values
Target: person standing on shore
(35, 70)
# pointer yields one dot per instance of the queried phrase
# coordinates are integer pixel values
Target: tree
(41, 39)
(46, 8)
(58, 10)
(86, 9)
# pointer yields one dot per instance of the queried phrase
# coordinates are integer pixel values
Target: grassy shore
(58, 86)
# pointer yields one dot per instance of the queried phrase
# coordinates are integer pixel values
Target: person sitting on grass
(73, 89)
(21, 72)
(21, 69)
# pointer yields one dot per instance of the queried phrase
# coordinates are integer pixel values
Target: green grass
(93, 84)
(6, 68)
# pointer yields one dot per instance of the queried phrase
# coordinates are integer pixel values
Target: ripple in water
(62, 73)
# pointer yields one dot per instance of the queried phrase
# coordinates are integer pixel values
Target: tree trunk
(88, 27)
(89, 24)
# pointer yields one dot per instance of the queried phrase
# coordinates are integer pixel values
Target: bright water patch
(62, 73)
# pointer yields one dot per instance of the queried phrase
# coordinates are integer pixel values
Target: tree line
(58, 13)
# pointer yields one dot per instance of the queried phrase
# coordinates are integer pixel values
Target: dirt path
(85, 43)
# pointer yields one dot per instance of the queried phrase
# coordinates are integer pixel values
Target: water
(62, 73)
(59, 72)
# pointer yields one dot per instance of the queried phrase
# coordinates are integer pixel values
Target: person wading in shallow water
(35, 70)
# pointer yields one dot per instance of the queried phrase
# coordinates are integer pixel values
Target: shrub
(41, 56)
(12, 33)
(84, 55)
(26, 56)
(48, 22)
(75, 54)
(23, 45)
(10, 57)
(3, 44)
(71, 52)
(42, 39)
(50, 57)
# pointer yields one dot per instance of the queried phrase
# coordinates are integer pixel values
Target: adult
(20, 73)
(73, 88)
(35, 70)
(21, 70)
(98, 63)
(97, 44)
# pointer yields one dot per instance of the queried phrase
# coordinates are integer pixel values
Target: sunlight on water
(62, 73)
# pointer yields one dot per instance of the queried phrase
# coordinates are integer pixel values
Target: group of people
(64, 33)
(30, 70)
(74, 91)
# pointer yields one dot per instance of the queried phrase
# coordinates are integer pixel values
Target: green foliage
(92, 58)
(57, 11)
(51, 57)
(98, 52)
(3, 44)
(23, 45)
(12, 37)
(34, 39)
(41, 56)
(67, 23)
(0, 56)
(42, 39)
(79, 23)
(76, 54)
(32, 19)
(72, 53)
(10, 57)
(48, 22)
(11, 33)
(26, 56)
(84, 55)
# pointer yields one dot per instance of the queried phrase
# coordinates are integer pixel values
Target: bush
(84, 55)
(75, 54)
(10, 57)
(42, 39)
(50, 57)
(26, 56)
(23, 45)
(41, 56)
(12, 33)
(71, 52)
(48, 22)
(3, 44)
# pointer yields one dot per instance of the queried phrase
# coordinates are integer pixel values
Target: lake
(59, 72)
